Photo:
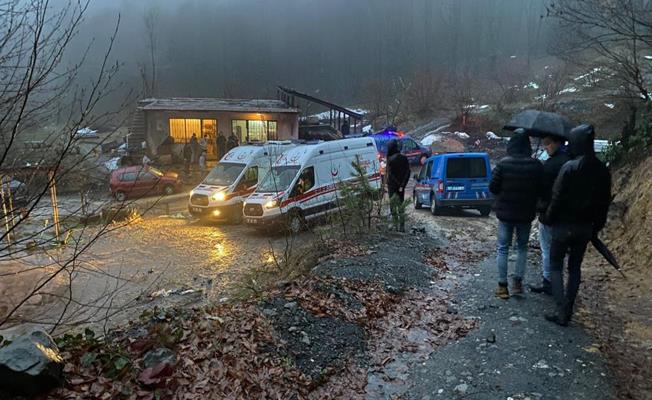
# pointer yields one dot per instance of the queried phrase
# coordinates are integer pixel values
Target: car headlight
(271, 204)
(219, 196)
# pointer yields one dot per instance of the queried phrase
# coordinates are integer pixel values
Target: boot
(545, 287)
(517, 286)
(502, 292)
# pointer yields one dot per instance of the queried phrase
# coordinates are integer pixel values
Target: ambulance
(221, 194)
(305, 182)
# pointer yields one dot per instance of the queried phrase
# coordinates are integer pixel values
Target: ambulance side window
(305, 183)
(250, 178)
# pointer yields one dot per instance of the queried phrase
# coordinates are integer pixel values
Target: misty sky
(244, 48)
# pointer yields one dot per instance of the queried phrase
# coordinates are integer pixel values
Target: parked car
(415, 153)
(221, 194)
(455, 180)
(306, 182)
(140, 181)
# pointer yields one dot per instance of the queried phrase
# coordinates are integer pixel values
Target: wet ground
(162, 258)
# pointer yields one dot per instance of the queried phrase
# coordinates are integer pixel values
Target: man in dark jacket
(221, 145)
(516, 184)
(557, 157)
(232, 142)
(578, 210)
(398, 175)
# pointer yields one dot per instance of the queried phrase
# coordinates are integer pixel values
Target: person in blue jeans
(516, 185)
(557, 157)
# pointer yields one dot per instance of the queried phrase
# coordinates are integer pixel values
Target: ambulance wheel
(434, 210)
(485, 211)
(296, 222)
(417, 204)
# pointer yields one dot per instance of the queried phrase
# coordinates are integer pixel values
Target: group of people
(195, 150)
(570, 192)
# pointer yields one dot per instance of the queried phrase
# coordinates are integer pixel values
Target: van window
(250, 178)
(429, 170)
(460, 168)
(224, 174)
(278, 179)
(422, 173)
(305, 183)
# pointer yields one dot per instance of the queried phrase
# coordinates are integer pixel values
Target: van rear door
(467, 177)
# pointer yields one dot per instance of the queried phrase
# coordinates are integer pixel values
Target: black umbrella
(540, 123)
(606, 253)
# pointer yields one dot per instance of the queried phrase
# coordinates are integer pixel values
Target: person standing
(398, 175)
(557, 157)
(221, 146)
(194, 148)
(578, 208)
(187, 158)
(232, 142)
(516, 185)
(202, 162)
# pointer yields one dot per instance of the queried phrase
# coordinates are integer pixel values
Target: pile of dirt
(620, 309)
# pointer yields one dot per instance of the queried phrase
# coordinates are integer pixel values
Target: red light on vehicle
(401, 133)
(440, 186)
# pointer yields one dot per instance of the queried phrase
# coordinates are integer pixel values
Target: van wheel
(434, 210)
(485, 211)
(120, 196)
(296, 222)
(423, 159)
(168, 190)
(415, 199)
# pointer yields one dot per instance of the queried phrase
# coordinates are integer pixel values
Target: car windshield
(224, 174)
(278, 179)
(155, 172)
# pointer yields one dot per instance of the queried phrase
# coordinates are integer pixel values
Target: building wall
(158, 126)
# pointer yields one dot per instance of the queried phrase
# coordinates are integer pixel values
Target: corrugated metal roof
(210, 104)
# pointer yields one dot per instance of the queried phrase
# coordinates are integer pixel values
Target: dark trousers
(396, 199)
(571, 240)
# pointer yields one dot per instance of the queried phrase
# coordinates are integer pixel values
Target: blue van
(456, 180)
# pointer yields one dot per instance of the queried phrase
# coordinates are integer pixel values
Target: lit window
(182, 129)
(254, 130)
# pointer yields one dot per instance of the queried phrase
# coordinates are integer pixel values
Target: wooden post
(55, 205)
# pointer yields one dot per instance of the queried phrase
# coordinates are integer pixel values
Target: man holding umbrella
(577, 211)
(557, 157)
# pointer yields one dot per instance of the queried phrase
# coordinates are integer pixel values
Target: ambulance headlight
(271, 204)
(219, 196)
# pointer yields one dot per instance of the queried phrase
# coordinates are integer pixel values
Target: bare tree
(43, 108)
(149, 74)
(618, 36)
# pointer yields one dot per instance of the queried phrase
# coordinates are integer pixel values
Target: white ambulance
(305, 182)
(221, 194)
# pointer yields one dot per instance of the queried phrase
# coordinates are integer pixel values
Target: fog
(244, 48)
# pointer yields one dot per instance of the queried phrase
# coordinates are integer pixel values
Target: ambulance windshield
(224, 174)
(278, 179)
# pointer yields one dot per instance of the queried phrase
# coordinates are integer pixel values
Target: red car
(140, 181)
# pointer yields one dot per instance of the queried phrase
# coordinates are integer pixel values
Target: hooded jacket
(516, 182)
(551, 168)
(398, 168)
(581, 193)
